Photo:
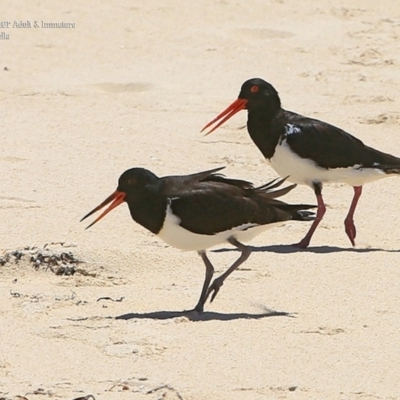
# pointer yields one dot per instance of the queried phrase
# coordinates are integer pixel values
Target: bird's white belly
(305, 171)
(175, 235)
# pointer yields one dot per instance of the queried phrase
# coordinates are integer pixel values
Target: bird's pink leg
(348, 222)
(320, 213)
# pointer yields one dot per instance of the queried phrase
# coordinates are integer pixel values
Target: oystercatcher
(198, 211)
(307, 151)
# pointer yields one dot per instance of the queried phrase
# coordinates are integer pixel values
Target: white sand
(131, 85)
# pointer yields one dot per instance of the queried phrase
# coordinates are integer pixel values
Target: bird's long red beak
(236, 106)
(116, 198)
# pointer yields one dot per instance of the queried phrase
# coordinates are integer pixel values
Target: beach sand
(132, 84)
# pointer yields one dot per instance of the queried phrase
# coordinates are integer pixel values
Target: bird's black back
(215, 204)
(329, 146)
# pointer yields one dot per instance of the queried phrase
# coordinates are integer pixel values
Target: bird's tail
(390, 169)
(302, 215)
(296, 211)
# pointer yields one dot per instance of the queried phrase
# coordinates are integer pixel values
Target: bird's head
(255, 95)
(131, 185)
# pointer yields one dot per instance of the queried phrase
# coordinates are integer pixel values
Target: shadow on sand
(287, 249)
(205, 316)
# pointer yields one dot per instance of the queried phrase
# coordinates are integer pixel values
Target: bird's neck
(261, 127)
(149, 211)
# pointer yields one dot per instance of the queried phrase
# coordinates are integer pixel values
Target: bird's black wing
(180, 184)
(329, 146)
(211, 207)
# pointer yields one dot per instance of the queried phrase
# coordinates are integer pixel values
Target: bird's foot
(214, 288)
(199, 308)
(303, 244)
(350, 229)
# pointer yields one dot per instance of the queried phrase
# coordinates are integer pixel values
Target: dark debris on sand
(56, 259)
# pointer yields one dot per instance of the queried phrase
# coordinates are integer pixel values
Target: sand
(132, 84)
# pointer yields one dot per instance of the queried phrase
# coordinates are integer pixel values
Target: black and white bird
(308, 151)
(198, 211)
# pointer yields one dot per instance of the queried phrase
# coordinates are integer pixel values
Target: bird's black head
(256, 95)
(132, 185)
(135, 180)
(259, 95)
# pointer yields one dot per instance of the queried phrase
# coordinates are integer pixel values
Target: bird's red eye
(254, 89)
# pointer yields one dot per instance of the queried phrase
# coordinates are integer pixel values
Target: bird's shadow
(204, 316)
(287, 249)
